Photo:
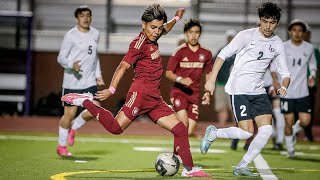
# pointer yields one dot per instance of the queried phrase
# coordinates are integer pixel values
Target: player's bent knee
(265, 131)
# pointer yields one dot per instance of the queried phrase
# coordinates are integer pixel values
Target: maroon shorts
(180, 101)
(138, 103)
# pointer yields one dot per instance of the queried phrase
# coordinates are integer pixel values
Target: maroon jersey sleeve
(173, 62)
(133, 53)
(209, 63)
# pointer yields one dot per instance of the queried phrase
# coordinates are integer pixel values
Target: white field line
(263, 168)
(134, 141)
(165, 149)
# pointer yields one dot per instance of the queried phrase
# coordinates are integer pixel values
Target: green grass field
(33, 156)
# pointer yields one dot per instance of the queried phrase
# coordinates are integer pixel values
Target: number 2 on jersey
(260, 55)
(243, 110)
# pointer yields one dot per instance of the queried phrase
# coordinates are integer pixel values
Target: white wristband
(284, 88)
(178, 79)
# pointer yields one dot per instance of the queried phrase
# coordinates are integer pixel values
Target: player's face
(84, 20)
(153, 29)
(296, 33)
(268, 26)
(193, 35)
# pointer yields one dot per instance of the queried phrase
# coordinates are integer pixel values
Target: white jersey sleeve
(98, 67)
(313, 64)
(63, 57)
(281, 62)
(235, 46)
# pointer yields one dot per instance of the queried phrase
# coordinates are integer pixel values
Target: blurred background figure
(79, 58)
(185, 68)
(312, 90)
(221, 98)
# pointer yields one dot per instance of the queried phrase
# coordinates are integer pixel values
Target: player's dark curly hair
(154, 11)
(190, 23)
(269, 10)
(80, 9)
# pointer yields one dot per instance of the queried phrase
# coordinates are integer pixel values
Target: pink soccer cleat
(76, 98)
(63, 151)
(71, 135)
(195, 172)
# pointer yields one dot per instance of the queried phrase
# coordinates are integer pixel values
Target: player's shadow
(78, 158)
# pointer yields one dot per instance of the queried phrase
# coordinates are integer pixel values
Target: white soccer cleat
(76, 99)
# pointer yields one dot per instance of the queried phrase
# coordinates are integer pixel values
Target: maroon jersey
(144, 56)
(186, 63)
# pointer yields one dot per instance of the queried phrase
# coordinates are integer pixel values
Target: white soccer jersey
(83, 47)
(253, 56)
(299, 58)
(267, 78)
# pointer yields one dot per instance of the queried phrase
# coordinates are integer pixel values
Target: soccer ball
(167, 164)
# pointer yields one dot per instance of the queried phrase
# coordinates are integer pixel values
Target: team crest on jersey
(177, 102)
(151, 48)
(271, 49)
(135, 111)
(201, 57)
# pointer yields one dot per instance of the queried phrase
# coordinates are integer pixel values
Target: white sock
(289, 143)
(242, 164)
(261, 139)
(63, 136)
(296, 127)
(230, 133)
(78, 122)
(280, 124)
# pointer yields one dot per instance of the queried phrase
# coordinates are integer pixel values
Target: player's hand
(76, 66)
(186, 81)
(209, 87)
(180, 12)
(102, 95)
(311, 81)
(100, 81)
(206, 99)
(282, 91)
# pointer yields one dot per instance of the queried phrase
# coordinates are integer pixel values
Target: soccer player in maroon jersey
(185, 68)
(144, 94)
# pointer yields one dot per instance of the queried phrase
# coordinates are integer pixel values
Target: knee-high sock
(78, 122)
(280, 123)
(63, 136)
(261, 139)
(230, 133)
(289, 143)
(104, 116)
(296, 127)
(181, 144)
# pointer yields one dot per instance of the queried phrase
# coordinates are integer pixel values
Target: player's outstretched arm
(211, 82)
(117, 76)
(169, 25)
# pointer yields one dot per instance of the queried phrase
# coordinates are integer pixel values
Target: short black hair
(154, 11)
(80, 9)
(191, 23)
(269, 10)
(299, 23)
